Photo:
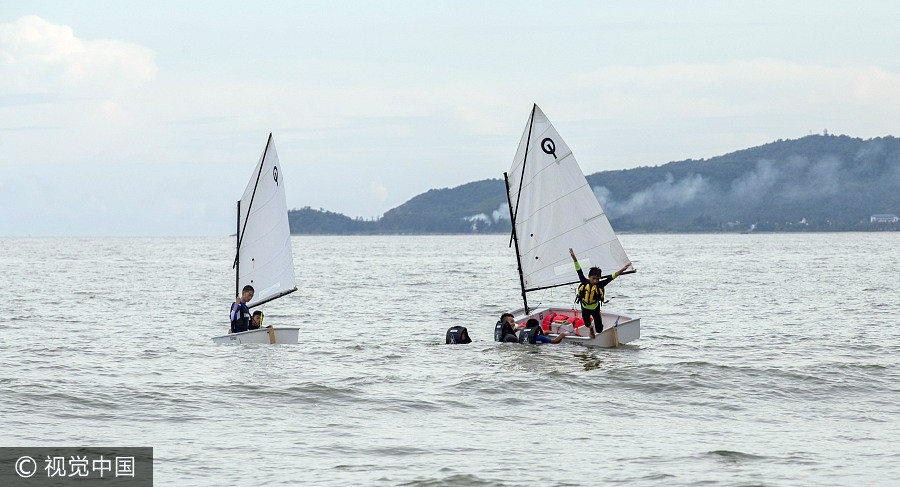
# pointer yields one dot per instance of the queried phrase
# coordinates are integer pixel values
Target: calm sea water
(765, 360)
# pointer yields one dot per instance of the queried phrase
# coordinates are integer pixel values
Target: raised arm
(614, 275)
(623, 269)
(577, 267)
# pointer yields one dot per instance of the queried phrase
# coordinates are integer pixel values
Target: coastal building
(884, 218)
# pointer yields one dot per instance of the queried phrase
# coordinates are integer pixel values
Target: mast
(237, 253)
(512, 219)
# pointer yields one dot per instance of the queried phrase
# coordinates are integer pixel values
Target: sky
(147, 118)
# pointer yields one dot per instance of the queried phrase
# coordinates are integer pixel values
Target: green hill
(819, 182)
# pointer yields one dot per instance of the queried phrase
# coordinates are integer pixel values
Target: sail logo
(275, 174)
(549, 146)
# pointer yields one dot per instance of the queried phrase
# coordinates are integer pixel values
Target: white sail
(265, 258)
(554, 209)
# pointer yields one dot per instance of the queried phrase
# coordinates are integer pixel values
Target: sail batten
(556, 209)
(264, 248)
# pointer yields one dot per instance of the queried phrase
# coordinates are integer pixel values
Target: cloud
(379, 191)
(37, 55)
(415, 122)
(737, 88)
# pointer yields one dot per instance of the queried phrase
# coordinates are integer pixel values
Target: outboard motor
(498, 332)
(458, 334)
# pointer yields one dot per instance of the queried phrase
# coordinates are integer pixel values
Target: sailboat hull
(617, 329)
(279, 336)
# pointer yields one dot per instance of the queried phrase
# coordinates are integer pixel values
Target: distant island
(815, 183)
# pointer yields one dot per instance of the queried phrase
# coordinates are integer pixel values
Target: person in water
(509, 327)
(240, 313)
(256, 320)
(591, 293)
(541, 338)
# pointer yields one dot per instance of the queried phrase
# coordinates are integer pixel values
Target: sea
(764, 359)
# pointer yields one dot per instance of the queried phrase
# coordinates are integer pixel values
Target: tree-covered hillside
(819, 182)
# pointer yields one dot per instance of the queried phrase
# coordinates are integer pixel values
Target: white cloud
(379, 191)
(37, 55)
(390, 129)
(745, 87)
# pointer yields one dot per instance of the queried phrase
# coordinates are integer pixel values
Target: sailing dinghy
(553, 208)
(263, 258)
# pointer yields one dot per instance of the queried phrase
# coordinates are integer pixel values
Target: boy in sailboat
(240, 313)
(256, 320)
(591, 292)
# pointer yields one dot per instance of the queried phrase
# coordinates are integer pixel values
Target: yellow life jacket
(590, 295)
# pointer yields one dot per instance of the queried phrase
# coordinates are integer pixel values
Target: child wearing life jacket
(240, 313)
(541, 338)
(256, 320)
(591, 292)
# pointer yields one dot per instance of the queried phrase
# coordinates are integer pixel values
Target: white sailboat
(553, 208)
(263, 257)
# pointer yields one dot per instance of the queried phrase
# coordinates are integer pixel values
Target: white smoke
(501, 213)
(498, 215)
(751, 187)
(820, 179)
(660, 195)
(602, 195)
(793, 179)
(476, 219)
(797, 177)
